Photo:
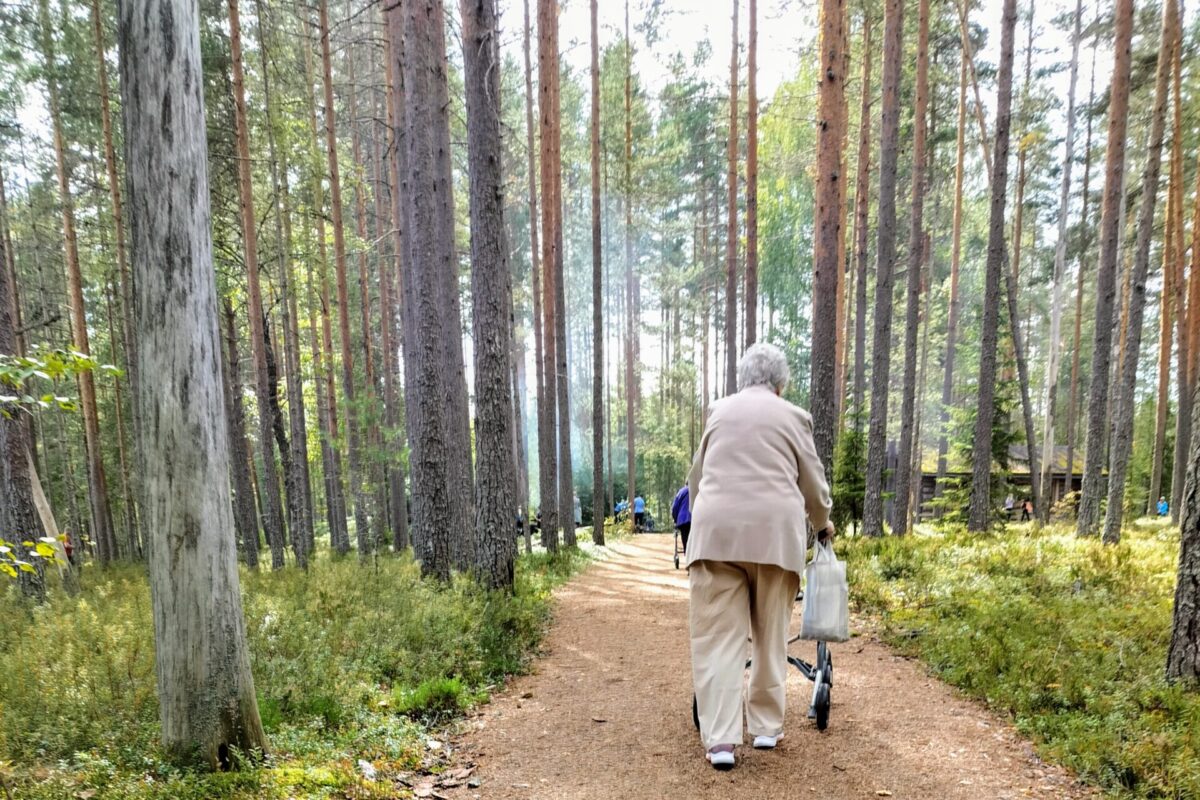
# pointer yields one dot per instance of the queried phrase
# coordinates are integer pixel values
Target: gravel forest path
(606, 713)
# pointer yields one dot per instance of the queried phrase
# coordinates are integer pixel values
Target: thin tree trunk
(296, 477)
(893, 40)
(1189, 356)
(731, 232)
(1060, 265)
(862, 192)
(207, 704)
(491, 292)
(114, 191)
(245, 517)
(1118, 115)
(1073, 405)
(599, 502)
(752, 170)
(1165, 318)
(916, 242)
(101, 515)
(631, 323)
(981, 468)
(827, 268)
(273, 523)
(548, 398)
(1121, 446)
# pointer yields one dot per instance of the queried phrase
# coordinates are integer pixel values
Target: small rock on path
(606, 714)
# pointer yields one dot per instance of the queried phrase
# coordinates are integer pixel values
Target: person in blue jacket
(639, 513)
(1163, 507)
(681, 513)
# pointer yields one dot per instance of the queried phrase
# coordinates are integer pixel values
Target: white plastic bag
(826, 597)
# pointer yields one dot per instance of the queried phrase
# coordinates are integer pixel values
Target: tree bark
(491, 292)
(1084, 242)
(731, 231)
(1106, 270)
(207, 705)
(245, 517)
(549, 484)
(1121, 445)
(1060, 264)
(272, 510)
(862, 192)
(631, 323)
(752, 169)
(599, 501)
(916, 242)
(442, 508)
(893, 40)
(331, 457)
(1188, 358)
(354, 473)
(981, 467)
(101, 515)
(118, 213)
(827, 266)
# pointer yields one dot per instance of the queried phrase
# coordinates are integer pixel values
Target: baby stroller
(820, 673)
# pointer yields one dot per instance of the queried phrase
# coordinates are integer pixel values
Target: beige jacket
(755, 480)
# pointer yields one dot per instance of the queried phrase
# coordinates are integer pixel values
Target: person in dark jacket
(681, 513)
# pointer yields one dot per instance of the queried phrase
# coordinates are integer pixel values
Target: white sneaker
(766, 742)
(721, 759)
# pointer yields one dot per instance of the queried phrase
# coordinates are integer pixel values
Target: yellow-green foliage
(333, 650)
(1066, 635)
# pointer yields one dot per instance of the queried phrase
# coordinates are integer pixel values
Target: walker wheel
(676, 562)
(821, 704)
(695, 713)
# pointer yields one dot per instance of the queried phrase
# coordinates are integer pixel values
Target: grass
(350, 663)
(1066, 636)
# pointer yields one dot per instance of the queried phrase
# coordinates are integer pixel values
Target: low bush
(1067, 636)
(350, 662)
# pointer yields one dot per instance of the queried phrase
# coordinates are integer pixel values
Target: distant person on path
(1163, 507)
(1027, 510)
(639, 513)
(755, 482)
(620, 509)
(681, 514)
(1009, 503)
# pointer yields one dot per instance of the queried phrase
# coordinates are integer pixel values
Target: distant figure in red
(1026, 510)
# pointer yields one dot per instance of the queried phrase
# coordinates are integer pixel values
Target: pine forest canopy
(436, 273)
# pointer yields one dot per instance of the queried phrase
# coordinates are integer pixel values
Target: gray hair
(763, 365)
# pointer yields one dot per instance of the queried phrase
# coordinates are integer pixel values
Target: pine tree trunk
(442, 507)
(398, 510)
(1121, 446)
(1188, 358)
(731, 231)
(18, 513)
(1165, 331)
(631, 323)
(752, 171)
(955, 261)
(114, 191)
(101, 515)
(916, 242)
(1073, 404)
(1106, 270)
(893, 40)
(548, 398)
(296, 476)
(826, 242)
(1060, 265)
(862, 201)
(491, 292)
(272, 510)
(245, 517)
(599, 501)
(981, 467)
(207, 704)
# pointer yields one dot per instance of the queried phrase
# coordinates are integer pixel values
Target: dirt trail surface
(606, 713)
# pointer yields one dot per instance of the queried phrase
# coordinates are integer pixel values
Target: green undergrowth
(1066, 636)
(351, 662)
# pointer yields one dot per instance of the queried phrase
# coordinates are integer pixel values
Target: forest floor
(606, 713)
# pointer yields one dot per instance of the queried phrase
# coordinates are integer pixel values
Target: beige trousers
(728, 601)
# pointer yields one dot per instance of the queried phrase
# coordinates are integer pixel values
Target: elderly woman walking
(755, 482)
